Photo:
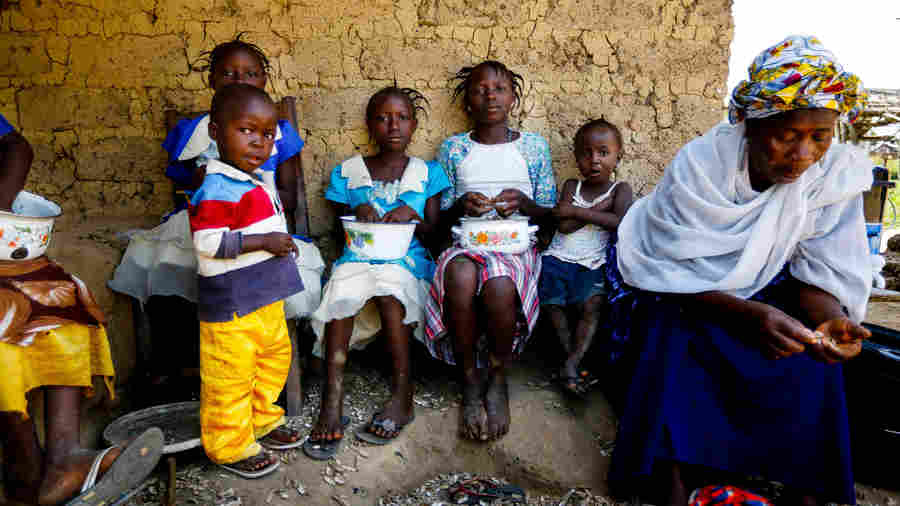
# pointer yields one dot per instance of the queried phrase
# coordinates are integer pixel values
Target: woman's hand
(476, 204)
(401, 214)
(780, 334)
(279, 244)
(366, 213)
(838, 340)
(509, 201)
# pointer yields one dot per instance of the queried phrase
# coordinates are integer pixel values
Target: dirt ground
(558, 448)
(556, 445)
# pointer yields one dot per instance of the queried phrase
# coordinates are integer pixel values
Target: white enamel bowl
(377, 241)
(25, 232)
(512, 235)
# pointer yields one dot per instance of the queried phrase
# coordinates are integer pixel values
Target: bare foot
(63, 479)
(399, 409)
(257, 462)
(496, 404)
(328, 427)
(473, 424)
(282, 435)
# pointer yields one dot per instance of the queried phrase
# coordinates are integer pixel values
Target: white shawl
(689, 235)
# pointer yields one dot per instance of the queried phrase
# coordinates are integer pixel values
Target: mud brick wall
(88, 82)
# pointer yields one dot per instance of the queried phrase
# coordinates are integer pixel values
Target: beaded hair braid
(601, 124)
(414, 97)
(464, 76)
(209, 60)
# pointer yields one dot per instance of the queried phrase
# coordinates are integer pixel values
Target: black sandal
(324, 450)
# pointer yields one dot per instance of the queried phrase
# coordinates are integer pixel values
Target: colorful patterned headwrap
(796, 73)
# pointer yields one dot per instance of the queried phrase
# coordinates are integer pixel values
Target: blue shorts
(565, 283)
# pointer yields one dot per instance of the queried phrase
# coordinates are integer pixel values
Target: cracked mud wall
(88, 82)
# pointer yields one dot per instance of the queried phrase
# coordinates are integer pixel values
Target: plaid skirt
(523, 269)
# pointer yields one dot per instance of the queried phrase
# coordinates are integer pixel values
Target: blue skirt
(705, 395)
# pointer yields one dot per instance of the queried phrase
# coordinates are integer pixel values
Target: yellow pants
(243, 367)
(69, 356)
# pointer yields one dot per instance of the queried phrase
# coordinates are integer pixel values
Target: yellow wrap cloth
(243, 367)
(66, 356)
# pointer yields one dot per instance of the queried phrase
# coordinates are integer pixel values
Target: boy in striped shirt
(245, 271)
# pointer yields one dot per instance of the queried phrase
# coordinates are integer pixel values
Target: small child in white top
(589, 212)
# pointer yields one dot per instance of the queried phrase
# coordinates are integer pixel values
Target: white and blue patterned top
(531, 147)
(351, 184)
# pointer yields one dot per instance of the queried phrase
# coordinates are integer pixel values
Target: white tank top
(587, 245)
(491, 168)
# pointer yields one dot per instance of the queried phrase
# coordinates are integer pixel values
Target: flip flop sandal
(576, 385)
(135, 463)
(479, 491)
(388, 425)
(274, 444)
(259, 473)
(324, 450)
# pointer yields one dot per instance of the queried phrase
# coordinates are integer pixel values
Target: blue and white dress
(161, 261)
(355, 281)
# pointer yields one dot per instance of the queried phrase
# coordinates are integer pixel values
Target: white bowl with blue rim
(25, 232)
(377, 241)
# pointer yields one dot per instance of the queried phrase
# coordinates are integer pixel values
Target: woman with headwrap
(751, 275)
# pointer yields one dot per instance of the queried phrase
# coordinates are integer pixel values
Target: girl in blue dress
(363, 296)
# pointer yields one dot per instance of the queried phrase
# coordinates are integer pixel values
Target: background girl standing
(162, 262)
(493, 170)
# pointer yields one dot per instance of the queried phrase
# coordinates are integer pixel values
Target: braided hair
(599, 124)
(415, 98)
(210, 60)
(464, 76)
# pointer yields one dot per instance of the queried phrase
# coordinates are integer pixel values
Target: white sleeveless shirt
(587, 245)
(491, 168)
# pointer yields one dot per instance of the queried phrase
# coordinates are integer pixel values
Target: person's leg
(584, 335)
(678, 493)
(273, 363)
(501, 302)
(228, 353)
(337, 341)
(399, 408)
(560, 322)
(66, 464)
(460, 285)
(23, 459)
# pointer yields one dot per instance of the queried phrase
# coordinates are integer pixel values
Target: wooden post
(170, 497)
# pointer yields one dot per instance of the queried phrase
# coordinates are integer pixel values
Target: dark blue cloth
(181, 171)
(566, 283)
(703, 394)
(5, 127)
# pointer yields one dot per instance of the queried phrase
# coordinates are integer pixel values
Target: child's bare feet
(281, 438)
(63, 478)
(254, 464)
(398, 410)
(496, 404)
(474, 424)
(328, 427)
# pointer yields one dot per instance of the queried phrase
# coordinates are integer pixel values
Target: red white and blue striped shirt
(229, 204)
